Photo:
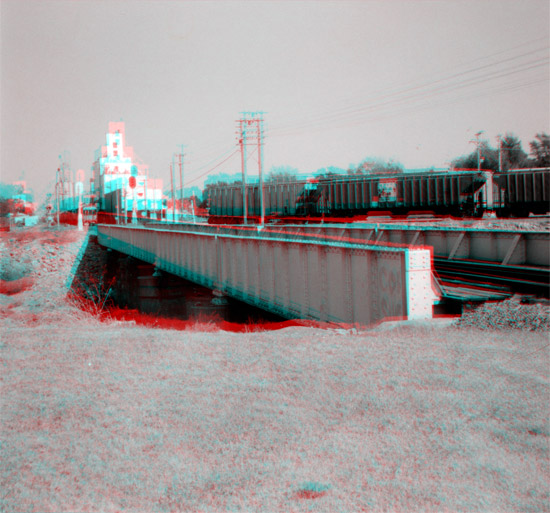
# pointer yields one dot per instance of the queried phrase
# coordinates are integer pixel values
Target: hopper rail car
(515, 193)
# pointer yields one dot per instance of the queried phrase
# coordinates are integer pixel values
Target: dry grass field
(113, 416)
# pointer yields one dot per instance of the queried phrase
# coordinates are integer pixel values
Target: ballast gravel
(517, 313)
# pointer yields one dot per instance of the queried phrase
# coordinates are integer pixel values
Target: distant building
(113, 166)
(23, 197)
(71, 190)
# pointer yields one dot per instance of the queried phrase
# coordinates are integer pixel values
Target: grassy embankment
(118, 417)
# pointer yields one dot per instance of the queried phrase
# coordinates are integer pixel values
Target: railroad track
(490, 278)
(522, 279)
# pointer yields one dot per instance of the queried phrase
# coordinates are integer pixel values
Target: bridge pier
(149, 293)
(143, 286)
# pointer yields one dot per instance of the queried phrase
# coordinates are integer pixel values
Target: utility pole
(478, 151)
(251, 129)
(499, 139)
(61, 180)
(181, 155)
(242, 141)
(125, 205)
(261, 166)
(172, 183)
(118, 202)
(65, 181)
(145, 193)
(79, 219)
(57, 194)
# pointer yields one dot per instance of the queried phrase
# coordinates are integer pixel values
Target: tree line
(510, 155)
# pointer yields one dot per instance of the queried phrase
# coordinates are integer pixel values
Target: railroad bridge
(333, 281)
(356, 273)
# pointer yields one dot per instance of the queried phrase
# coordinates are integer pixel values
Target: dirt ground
(113, 416)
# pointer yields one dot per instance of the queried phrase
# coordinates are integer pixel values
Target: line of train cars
(460, 193)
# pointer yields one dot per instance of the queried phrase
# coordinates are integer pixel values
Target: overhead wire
(438, 86)
(389, 109)
(399, 86)
(393, 102)
(365, 111)
(403, 90)
(445, 102)
(250, 155)
(413, 108)
(212, 169)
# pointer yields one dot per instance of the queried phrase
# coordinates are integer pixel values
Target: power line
(365, 114)
(384, 94)
(398, 87)
(218, 157)
(216, 166)
(413, 108)
(437, 86)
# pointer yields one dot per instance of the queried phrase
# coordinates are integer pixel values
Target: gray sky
(338, 81)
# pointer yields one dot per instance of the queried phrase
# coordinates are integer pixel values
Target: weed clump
(312, 490)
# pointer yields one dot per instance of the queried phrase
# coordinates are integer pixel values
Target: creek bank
(111, 281)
